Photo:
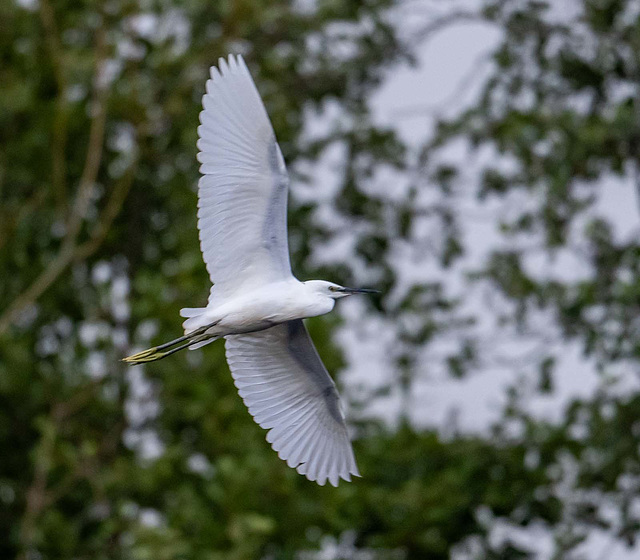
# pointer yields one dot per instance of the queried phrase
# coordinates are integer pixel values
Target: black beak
(357, 291)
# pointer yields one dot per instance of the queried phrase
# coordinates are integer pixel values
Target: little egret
(256, 304)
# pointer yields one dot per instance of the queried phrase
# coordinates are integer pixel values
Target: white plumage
(244, 179)
(295, 398)
(256, 303)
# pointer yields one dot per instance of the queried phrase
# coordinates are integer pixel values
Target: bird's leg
(156, 353)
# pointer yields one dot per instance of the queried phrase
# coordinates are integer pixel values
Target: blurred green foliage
(99, 104)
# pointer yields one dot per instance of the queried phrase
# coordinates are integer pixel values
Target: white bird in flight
(255, 303)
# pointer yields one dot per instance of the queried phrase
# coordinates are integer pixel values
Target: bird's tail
(192, 311)
(193, 316)
(194, 339)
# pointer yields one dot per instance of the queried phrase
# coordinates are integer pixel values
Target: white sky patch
(448, 78)
(171, 25)
(141, 408)
(92, 332)
(198, 463)
(152, 518)
(120, 306)
(619, 204)
(101, 272)
(96, 365)
(30, 5)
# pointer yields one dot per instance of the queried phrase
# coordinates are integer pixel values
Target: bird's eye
(332, 288)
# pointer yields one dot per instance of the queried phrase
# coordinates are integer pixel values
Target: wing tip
(332, 475)
(215, 75)
(322, 478)
(232, 64)
(223, 67)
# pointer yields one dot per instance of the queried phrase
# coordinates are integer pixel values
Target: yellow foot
(156, 353)
(149, 355)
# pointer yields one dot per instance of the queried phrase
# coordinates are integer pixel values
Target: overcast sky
(449, 77)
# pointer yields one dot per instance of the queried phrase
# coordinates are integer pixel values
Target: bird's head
(335, 291)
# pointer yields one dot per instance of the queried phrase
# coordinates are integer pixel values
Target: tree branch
(38, 495)
(61, 113)
(442, 22)
(53, 45)
(11, 217)
(110, 212)
(94, 151)
(84, 193)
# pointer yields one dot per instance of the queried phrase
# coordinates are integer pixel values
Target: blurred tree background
(99, 105)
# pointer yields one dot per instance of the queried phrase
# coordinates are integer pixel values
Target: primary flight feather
(256, 303)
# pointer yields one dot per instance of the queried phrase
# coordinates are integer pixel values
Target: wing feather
(288, 391)
(242, 194)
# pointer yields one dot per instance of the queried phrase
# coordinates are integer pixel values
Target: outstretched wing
(242, 194)
(287, 389)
